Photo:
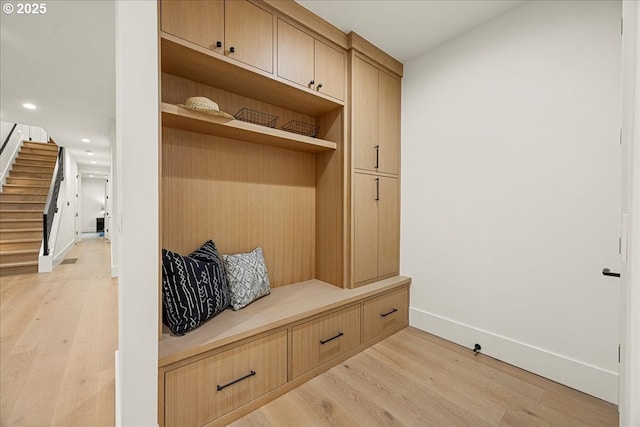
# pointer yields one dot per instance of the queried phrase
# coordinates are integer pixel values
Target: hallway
(57, 342)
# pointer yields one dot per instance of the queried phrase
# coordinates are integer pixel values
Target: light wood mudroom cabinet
(309, 62)
(239, 29)
(375, 174)
(331, 250)
(375, 118)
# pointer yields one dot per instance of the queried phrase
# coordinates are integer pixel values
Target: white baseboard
(573, 373)
(63, 253)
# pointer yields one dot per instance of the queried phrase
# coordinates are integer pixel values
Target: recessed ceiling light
(89, 152)
(85, 140)
(29, 106)
(93, 162)
(90, 176)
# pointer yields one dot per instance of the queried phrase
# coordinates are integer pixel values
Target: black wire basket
(301, 128)
(257, 117)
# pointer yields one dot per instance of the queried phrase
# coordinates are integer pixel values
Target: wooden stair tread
(19, 252)
(20, 241)
(9, 202)
(19, 230)
(19, 264)
(20, 220)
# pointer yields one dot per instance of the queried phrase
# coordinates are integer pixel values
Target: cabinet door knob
(311, 83)
(319, 86)
(218, 44)
(232, 49)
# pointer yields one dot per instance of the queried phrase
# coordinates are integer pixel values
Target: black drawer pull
(250, 374)
(391, 312)
(332, 338)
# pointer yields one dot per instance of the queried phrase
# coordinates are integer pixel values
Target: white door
(76, 206)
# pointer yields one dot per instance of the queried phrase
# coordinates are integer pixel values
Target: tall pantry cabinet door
(329, 70)
(365, 115)
(200, 22)
(365, 223)
(249, 33)
(388, 227)
(389, 123)
(295, 54)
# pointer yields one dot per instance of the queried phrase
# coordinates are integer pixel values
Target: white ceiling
(63, 61)
(405, 29)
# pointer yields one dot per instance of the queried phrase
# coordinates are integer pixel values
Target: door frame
(629, 378)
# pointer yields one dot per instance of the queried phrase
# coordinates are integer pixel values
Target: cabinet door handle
(377, 156)
(311, 83)
(250, 374)
(232, 49)
(388, 313)
(218, 44)
(332, 338)
(319, 86)
(377, 189)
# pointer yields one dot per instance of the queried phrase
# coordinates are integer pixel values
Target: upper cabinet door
(329, 70)
(389, 123)
(365, 115)
(200, 22)
(295, 55)
(249, 34)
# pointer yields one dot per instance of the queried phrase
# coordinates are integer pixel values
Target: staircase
(21, 204)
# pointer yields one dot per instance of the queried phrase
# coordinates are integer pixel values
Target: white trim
(117, 389)
(114, 271)
(565, 370)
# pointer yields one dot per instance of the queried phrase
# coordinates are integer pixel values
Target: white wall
(510, 135)
(137, 215)
(21, 133)
(65, 233)
(92, 202)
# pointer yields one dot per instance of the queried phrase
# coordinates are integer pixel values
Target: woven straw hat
(205, 105)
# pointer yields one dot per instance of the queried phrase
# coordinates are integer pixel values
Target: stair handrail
(51, 207)
(6, 140)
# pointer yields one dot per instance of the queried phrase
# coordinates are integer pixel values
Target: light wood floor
(416, 379)
(58, 334)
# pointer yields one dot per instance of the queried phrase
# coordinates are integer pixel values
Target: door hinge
(621, 26)
(619, 353)
(620, 136)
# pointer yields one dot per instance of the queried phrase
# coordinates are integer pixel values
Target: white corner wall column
(137, 212)
(505, 225)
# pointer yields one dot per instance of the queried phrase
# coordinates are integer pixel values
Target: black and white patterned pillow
(248, 278)
(192, 291)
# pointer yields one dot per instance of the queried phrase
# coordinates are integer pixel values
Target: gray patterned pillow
(247, 276)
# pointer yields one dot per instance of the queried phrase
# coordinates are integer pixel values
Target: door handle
(607, 272)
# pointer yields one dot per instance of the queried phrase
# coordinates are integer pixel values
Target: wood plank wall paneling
(241, 195)
(176, 90)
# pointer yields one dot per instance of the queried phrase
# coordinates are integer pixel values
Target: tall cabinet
(324, 208)
(375, 173)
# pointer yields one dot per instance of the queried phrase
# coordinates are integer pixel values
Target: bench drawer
(386, 313)
(200, 392)
(322, 339)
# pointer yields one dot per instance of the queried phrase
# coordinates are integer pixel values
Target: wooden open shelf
(174, 116)
(185, 59)
(285, 305)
